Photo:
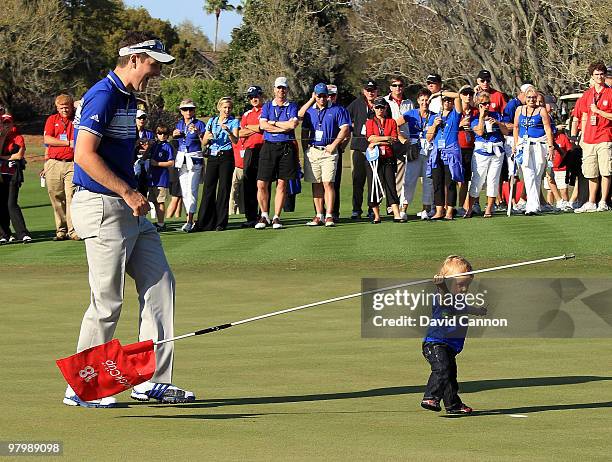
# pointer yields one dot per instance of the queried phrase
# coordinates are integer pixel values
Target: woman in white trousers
(488, 155)
(189, 160)
(533, 147)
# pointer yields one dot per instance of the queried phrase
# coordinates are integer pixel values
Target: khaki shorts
(596, 159)
(157, 195)
(320, 167)
(559, 180)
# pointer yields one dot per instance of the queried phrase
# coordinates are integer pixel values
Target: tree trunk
(217, 14)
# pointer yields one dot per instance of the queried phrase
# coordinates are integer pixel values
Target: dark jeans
(10, 212)
(442, 383)
(360, 167)
(251, 162)
(214, 208)
(442, 182)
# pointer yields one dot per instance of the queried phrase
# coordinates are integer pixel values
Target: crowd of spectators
(455, 144)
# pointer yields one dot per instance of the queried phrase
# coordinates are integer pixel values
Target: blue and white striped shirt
(109, 112)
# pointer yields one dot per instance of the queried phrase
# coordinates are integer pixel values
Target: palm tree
(216, 7)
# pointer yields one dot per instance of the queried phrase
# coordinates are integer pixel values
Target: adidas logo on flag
(95, 117)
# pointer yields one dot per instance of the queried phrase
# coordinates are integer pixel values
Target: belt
(61, 160)
(111, 194)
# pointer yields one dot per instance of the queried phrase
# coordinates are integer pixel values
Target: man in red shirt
(59, 165)
(483, 80)
(597, 138)
(251, 137)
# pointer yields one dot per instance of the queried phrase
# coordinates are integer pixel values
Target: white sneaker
(187, 227)
(71, 399)
(163, 392)
(520, 205)
(403, 216)
(587, 207)
(603, 207)
(3, 241)
(276, 223)
(26, 239)
(567, 207)
(476, 209)
(12, 239)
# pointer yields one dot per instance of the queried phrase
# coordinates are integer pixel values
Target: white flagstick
(359, 294)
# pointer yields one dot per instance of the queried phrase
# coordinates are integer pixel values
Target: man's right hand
(176, 132)
(137, 202)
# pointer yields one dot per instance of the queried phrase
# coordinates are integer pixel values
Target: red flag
(108, 369)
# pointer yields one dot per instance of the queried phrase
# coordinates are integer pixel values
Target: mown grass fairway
(305, 386)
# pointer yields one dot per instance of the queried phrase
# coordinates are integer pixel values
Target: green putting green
(306, 386)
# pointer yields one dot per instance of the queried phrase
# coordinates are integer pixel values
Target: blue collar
(117, 83)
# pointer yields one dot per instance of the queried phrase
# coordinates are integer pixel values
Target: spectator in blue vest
(323, 130)
(279, 154)
(189, 159)
(221, 132)
(445, 165)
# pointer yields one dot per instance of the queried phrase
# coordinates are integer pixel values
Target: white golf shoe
(71, 399)
(163, 392)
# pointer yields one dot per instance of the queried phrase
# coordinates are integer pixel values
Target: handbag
(413, 151)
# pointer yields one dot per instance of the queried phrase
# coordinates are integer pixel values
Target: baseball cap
(434, 78)
(187, 104)
(332, 89)
(466, 90)
(281, 82)
(380, 101)
(254, 90)
(320, 89)
(7, 118)
(154, 48)
(370, 84)
(140, 113)
(484, 75)
(525, 87)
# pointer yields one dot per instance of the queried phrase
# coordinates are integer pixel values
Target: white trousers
(486, 169)
(533, 167)
(414, 170)
(189, 178)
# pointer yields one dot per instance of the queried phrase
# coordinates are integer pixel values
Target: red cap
(7, 118)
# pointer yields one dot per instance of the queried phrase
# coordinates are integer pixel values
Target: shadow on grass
(532, 409)
(465, 387)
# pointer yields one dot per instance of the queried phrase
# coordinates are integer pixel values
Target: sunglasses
(531, 97)
(397, 85)
(162, 133)
(281, 88)
(380, 107)
(485, 80)
(485, 104)
(322, 95)
(186, 109)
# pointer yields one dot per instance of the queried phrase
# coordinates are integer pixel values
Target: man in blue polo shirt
(278, 158)
(323, 130)
(109, 215)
